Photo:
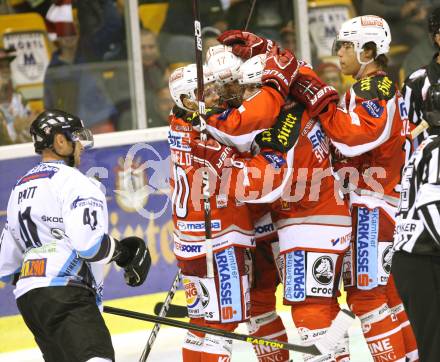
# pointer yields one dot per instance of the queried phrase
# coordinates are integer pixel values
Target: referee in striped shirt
(416, 261)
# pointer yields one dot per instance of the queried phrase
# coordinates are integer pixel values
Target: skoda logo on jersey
(387, 255)
(323, 270)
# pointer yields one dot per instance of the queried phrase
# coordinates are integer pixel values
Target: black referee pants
(417, 279)
(66, 323)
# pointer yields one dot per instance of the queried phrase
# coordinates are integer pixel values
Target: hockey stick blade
(313, 350)
(174, 311)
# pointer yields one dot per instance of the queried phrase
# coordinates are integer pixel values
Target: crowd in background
(87, 73)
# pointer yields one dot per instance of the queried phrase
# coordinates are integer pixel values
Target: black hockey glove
(284, 133)
(133, 256)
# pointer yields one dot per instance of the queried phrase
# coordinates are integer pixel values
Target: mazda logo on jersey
(387, 255)
(323, 270)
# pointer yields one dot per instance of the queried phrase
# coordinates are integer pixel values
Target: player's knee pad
(268, 325)
(310, 274)
(383, 334)
(193, 343)
(217, 346)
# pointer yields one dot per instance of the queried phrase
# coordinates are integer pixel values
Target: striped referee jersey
(414, 92)
(418, 217)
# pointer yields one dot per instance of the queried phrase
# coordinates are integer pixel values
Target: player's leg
(398, 309)
(265, 321)
(311, 282)
(366, 287)
(222, 302)
(74, 323)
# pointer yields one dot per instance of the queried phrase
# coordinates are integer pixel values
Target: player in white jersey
(55, 244)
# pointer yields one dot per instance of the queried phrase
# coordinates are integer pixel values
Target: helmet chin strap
(363, 65)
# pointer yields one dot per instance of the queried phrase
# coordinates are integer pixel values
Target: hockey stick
(336, 331)
(419, 129)
(162, 313)
(250, 15)
(203, 138)
(174, 310)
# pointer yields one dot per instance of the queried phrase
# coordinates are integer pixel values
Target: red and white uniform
(313, 222)
(369, 127)
(223, 301)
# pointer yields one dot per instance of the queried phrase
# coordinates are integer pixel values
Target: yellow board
(153, 15)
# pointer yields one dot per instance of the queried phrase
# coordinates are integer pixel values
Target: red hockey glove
(244, 44)
(281, 68)
(212, 154)
(313, 93)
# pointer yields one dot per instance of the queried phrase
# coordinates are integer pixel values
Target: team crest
(387, 255)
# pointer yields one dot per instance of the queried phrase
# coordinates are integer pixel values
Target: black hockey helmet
(432, 105)
(53, 121)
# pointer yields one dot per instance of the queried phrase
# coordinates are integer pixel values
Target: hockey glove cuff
(245, 44)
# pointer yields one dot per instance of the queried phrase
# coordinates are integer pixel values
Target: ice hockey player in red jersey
(370, 128)
(223, 301)
(313, 207)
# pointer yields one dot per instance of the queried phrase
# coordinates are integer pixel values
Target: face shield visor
(338, 44)
(83, 136)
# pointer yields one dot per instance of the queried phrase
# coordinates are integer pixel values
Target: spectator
(69, 85)
(331, 74)
(154, 72)
(15, 117)
(268, 19)
(405, 17)
(103, 27)
(288, 38)
(162, 107)
(177, 34)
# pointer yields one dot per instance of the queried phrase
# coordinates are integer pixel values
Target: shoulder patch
(377, 87)
(274, 159)
(373, 108)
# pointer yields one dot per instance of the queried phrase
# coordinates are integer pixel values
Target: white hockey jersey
(56, 231)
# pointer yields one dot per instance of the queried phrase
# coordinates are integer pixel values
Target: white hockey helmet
(252, 70)
(224, 65)
(364, 29)
(183, 82)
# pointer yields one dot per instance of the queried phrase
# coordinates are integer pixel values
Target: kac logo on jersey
(295, 276)
(229, 280)
(366, 248)
(373, 108)
(323, 270)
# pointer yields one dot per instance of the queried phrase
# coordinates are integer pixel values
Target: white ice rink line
(128, 347)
